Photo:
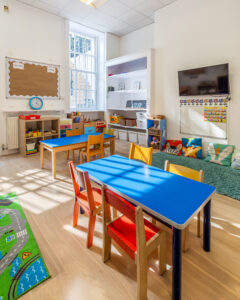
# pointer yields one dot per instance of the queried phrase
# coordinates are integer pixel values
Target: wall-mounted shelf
(137, 73)
(126, 127)
(128, 91)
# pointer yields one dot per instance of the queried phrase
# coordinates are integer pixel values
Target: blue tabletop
(169, 197)
(65, 141)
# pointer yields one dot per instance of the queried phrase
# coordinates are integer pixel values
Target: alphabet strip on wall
(204, 102)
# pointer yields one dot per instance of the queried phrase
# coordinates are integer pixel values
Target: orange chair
(86, 197)
(134, 234)
(141, 153)
(72, 133)
(191, 174)
(93, 140)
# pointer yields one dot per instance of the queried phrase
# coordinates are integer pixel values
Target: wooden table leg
(53, 164)
(112, 146)
(41, 156)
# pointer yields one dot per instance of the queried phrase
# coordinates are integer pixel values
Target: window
(84, 71)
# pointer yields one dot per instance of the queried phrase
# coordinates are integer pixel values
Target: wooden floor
(78, 273)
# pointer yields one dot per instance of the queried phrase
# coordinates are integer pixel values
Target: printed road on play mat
(21, 264)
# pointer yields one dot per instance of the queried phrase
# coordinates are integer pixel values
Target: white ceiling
(119, 17)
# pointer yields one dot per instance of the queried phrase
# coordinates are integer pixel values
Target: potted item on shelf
(110, 89)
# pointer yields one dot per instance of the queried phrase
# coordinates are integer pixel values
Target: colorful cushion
(236, 159)
(173, 147)
(192, 147)
(220, 154)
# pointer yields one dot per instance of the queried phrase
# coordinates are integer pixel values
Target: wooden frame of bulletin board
(27, 79)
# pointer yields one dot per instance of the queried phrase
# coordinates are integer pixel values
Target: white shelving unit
(130, 82)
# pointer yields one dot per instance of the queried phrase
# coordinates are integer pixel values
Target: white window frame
(99, 71)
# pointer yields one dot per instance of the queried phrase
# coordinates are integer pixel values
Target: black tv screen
(213, 80)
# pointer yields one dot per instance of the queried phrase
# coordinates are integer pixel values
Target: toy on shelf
(33, 133)
(155, 143)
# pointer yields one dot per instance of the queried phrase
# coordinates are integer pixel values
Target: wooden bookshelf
(44, 124)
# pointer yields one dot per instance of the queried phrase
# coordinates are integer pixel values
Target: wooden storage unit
(157, 130)
(45, 125)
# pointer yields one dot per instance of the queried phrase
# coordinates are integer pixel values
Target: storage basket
(154, 131)
(133, 137)
(30, 146)
(123, 135)
(142, 139)
(131, 122)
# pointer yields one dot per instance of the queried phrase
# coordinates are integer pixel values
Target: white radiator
(12, 133)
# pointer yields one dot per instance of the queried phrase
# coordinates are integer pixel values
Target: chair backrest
(123, 206)
(73, 132)
(95, 140)
(184, 171)
(81, 183)
(141, 153)
(109, 131)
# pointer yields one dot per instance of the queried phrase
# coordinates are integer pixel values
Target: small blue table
(69, 143)
(170, 198)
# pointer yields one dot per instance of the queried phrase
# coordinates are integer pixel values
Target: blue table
(170, 198)
(69, 143)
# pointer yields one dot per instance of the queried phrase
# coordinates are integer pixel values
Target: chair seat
(123, 231)
(83, 200)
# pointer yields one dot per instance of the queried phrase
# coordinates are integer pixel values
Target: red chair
(134, 234)
(86, 197)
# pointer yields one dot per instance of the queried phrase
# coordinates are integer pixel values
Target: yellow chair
(141, 153)
(109, 131)
(72, 133)
(93, 140)
(191, 174)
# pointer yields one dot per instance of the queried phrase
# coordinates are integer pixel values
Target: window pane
(83, 71)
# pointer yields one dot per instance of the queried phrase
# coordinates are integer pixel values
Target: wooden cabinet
(33, 131)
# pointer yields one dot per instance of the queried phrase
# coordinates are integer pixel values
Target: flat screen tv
(213, 80)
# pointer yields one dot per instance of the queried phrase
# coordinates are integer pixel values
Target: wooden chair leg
(73, 155)
(185, 239)
(142, 270)
(114, 211)
(81, 157)
(91, 227)
(107, 243)
(199, 224)
(68, 155)
(75, 213)
(162, 254)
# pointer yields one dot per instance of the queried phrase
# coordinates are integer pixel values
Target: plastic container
(133, 137)
(142, 138)
(29, 117)
(116, 133)
(123, 135)
(142, 124)
(141, 115)
(30, 146)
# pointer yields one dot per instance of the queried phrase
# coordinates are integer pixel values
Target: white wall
(112, 46)
(190, 34)
(138, 41)
(31, 34)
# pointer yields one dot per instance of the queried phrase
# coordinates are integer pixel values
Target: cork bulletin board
(26, 79)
